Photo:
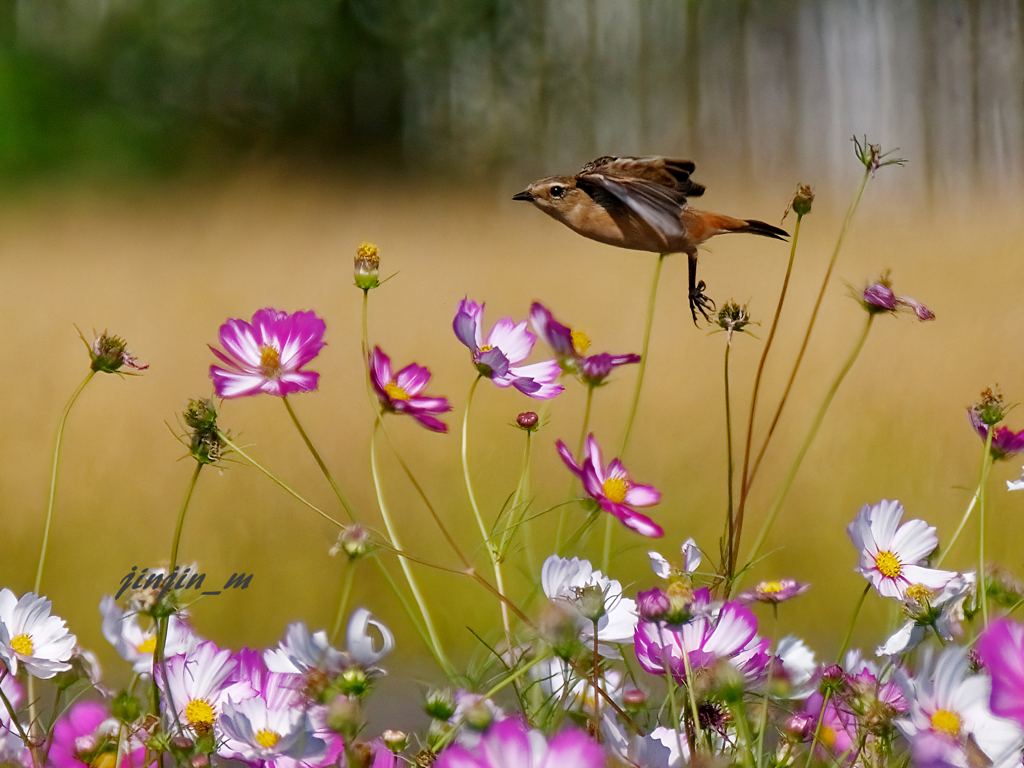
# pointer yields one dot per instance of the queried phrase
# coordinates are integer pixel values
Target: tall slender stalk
(320, 462)
(53, 478)
(564, 512)
(763, 724)
(811, 434)
(346, 592)
(492, 551)
(729, 549)
(959, 528)
(986, 466)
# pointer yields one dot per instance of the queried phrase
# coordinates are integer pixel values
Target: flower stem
(491, 550)
(562, 515)
(648, 322)
(763, 724)
(14, 719)
(692, 696)
(738, 522)
(435, 642)
(959, 528)
(346, 591)
(986, 466)
(53, 479)
(727, 553)
(810, 326)
(811, 434)
(586, 422)
(522, 492)
(319, 461)
(181, 517)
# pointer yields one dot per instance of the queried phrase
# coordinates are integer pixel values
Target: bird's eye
(557, 191)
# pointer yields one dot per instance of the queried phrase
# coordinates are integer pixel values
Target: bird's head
(555, 195)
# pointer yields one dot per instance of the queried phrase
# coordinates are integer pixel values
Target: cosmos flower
(508, 343)
(12, 748)
(1001, 650)
(691, 560)
(949, 715)
(31, 637)
(661, 748)
(135, 644)
(942, 610)
(706, 639)
(613, 489)
(197, 684)
(88, 736)
(794, 669)
(508, 744)
(891, 558)
(400, 392)
(838, 726)
(773, 591)
(560, 682)
(1015, 485)
(570, 347)
(267, 354)
(879, 297)
(1005, 442)
(300, 651)
(564, 581)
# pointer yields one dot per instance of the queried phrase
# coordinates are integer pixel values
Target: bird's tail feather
(755, 227)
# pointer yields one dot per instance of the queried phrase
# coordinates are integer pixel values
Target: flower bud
(732, 317)
(558, 626)
(878, 297)
(126, 707)
(478, 716)
(652, 605)
(440, 703)
(182, 742)
(833, 678)
(802, 200)
(590, 602)
(990, 410)
(110, 353)
(436, 733)
(200, 414)
(345, 716)
(529, 421)
(200, 761)
(85, 744)
(680, 597)
(800, 726)
(634, 700)
(353, 682)
(396, 741)
(367, 266)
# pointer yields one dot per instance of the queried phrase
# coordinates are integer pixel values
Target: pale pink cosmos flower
(400, 392)
(773, 591)
(613, 489)
(508, 343)
(891, 555)
(509, 744)
(267, 354)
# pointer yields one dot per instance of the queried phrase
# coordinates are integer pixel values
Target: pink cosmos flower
(838, 727)
(508, 343)
(1005, 442)
(87, 735)
(891, 555)
(706, 639)
(570, 346)
(400, 392)
(879, 297)
(267, 354)
(508, 744)
(773, 591)
(1001, 650)
(613, 489)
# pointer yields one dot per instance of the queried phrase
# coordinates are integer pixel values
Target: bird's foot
(700, 303)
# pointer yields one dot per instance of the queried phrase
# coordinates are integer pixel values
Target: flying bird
(640, 203)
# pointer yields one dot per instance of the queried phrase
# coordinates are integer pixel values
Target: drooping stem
(319, 461)
(435, 641)
(492, 551)
(811, 434)
(54, 471)
(648, 322)
(959, 528)
(810, 325)
(730, 547)
(738, 523)
(346, 592)
(986, 466)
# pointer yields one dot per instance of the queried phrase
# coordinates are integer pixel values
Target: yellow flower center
(769, 587)
(395, 392)
(148, 645)
(22, 644)
(368, 251)
(580, 342)
(919, 592)
(615, 489)
(270, 362)
(888, 564)
(828, 736)
(104, 760)
(200, 715)
(946, 722)
(267, 738)
(486, 348)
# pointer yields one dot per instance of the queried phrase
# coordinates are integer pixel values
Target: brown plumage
(640, 203)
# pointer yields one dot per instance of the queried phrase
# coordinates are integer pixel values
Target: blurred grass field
(164, 267)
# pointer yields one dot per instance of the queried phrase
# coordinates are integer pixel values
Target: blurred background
(167, 165)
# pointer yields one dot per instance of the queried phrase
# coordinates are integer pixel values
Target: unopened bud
(353, 682)
(437, 734)
(182, 742)
(590, 602)
(200, 414)
(355, 541)
(440, 703)
(200, 761)
(85, 744)
(345, 716)
(652, 605)
(800, 726)
(558, 626)
(396, 741)
(832, 677)
(802, 200)
(528, 421)
(126, 707)
(367, 266)
(680, 597)
(478, 716)
(110, 353)
(634, 700)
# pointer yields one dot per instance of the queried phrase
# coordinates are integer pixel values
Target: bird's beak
(524, 195)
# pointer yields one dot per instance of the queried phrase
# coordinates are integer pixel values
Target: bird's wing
(664, 171)
(653, 204)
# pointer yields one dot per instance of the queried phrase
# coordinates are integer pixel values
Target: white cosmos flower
(691, 560)
(30, 636)
(562, 581)
(798, 666)
(891, 554)
(360, 643)
(300, 651)
(661, 748)
(943, 611)
(12, 748)
(558, 681)
(135, 644)
(949, 708)
(1015, 485)
(197, 684)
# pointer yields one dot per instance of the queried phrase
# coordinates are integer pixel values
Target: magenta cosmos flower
(400, 392)
(508, 343)
(1001, 650)
(891, 555)
(613, 489)
(508, 744)
(570, 346)
(1005, 442)
(879, 297)
(267, 354)
(88, 736)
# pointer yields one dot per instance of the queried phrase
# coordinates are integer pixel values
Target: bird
(640, 203)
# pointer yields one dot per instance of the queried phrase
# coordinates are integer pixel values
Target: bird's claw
(700, 303)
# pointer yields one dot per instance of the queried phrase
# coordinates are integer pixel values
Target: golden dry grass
(166, 267)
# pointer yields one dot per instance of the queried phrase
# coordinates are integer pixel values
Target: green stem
(606, 552)
(648, 322)
(763, 724)
(346, 591)
(53, 479)
(586, 422)
(812, 433)
(14, 719)
(491, 550)
(435, 641)
(740, 508)
(963, 522)
(181, 518)
(319, 461)
(563, 514)
(810, 325)
(986, 467)
(514, 516)
(693, 697)
(730, 532)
